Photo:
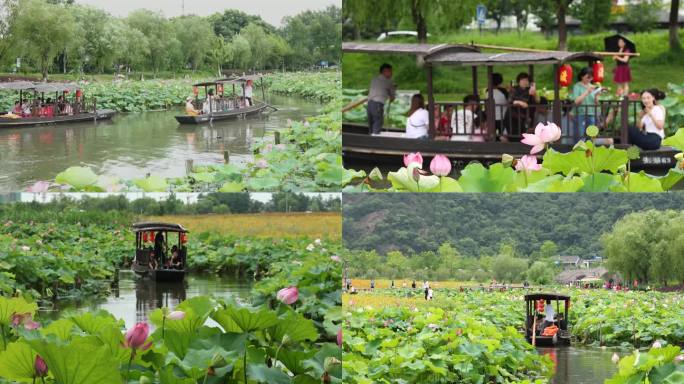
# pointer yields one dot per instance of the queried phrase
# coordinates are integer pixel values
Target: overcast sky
(272, 11)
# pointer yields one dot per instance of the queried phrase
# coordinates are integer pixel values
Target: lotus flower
(310, 247)
(335, 258)
(527, 163)
(413, 158)
(543, 134)
(657, 344)
(39, 187)
(317, 241)
(288, 295)
(679, 359)
(440, 165)
(40, 367)
(616, 358)
(262, 163)
(136, 336)
(25, 319)
(339, 337)
(25, 248)
(176, 315)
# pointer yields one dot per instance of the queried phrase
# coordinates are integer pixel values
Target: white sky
(272, 11)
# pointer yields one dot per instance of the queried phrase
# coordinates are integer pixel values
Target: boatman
(381, 89)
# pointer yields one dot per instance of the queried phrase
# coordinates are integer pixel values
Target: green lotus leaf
(79, 178)
(152, 183)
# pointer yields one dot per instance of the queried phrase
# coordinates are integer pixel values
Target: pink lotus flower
(543, 134)
(288, 295)
(527, 163)
(679, 359)
(413, 158)
(176, 315)
(25, 319)
(440, 165)
(262, 163)
(40, 367)
(136, 336)
(335, 258)
(339, 337)
(657, 344)
(39, 187)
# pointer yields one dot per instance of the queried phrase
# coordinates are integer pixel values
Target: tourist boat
(68, 106)
(534, 304)
(225, 106)
(361, 150)
(147, 251)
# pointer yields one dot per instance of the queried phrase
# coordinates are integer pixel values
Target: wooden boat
(361, 150)
(224, 105)
(534, 304)
(152, 253)
(255, 109)
(74, 108)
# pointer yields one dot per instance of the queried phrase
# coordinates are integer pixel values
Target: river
(133, 144)
(135, 298)
(578, 365)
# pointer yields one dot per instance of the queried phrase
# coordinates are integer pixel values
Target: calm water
(134, 144)
(136, 297)
(580, 365)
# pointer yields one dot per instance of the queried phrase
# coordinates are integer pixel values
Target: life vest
(550, 330)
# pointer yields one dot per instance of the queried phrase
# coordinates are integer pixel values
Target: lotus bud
(657, 344)
(507, 160)
(136, 336)
(40, 367)
(440, 165)
(176, 315)
(288, 295)
(375, 175)
(413, 158)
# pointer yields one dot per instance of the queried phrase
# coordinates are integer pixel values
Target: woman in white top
(248, 93)
(463, 122)
(650, 128)
(418, 119)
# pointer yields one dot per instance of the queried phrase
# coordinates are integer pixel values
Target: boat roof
(230, 80)
(508, 58)
(158, 226)
(546, 296)
(405, 48)
(39, 87)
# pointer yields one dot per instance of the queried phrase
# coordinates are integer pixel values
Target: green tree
(196, 37)
(241, 53)
(552, 13)
(674, 26)
(396, 264)
(540, 273)
(220, 53)
(41, 30)
(508, 269)
(229, 23)
(158, 33)
(497, 10)
(642, 15)
(595, 15)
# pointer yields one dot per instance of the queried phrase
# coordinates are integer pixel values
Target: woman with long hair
(418, 119)
(622, 75)
(649, 130)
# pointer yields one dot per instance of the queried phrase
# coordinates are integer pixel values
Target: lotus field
(288, 335)
(474, 336)
(307, 158)
(587, 168)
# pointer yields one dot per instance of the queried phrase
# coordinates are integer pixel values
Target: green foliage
(540, 273)
(595, 15)
(662, 365)
(642, 16)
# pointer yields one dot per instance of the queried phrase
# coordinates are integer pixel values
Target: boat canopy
(406, 48)
(443, 57)
(229, 80)
(156, 226)
(39, 87)
(546, 296)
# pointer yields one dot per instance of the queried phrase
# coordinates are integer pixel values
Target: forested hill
(477, 224)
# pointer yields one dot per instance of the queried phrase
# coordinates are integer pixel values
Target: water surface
(579, 365)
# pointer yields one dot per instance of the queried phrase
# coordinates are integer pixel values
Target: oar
(534, 329)
(353, 104)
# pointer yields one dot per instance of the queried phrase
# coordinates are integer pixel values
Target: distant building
(573, 276)
(568, 262)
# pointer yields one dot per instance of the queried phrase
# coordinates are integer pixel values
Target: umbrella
(611, 43)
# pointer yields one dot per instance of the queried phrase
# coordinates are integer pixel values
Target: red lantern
(195, 91)
(79, 93)
(540, 305)
(184, 238)
(598, 71)
(144, 236)
(565, 75)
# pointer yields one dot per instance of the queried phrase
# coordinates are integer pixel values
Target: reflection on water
(134, 144)
(580, 365)
(136, 297)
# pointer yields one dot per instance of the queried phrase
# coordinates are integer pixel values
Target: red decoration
(220, 89)
(195, 91)
(144, 236)
(565, 75)
(598, 72)
(184, 238)
(540, 305)
(79, 93)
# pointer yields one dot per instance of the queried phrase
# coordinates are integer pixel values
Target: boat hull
(361, 150)
(547, 341)
(102, 114)
(218, 116)
(160, 275)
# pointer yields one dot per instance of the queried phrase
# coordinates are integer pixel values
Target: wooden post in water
(276, 137)
(226, 157)
(188, 166)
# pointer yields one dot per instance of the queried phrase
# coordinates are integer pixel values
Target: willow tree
(674, 26)
(421, 14)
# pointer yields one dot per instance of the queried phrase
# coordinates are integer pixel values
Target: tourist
(392, 286)
(152, 261)
(175, 261)
(443, 129)
(500, 105)
(649, 131)
(418, 120)
(584, 94)
(190, 107)
(429, 294)
(413, 284)
(372, 284)
(522, 95)
(26, 108)
(248, 93)
(159, 246)
(426, 287)
(463, 122)
(17, 108)
(622, 75)
(207, 106)
(549, 314)
(381, 89)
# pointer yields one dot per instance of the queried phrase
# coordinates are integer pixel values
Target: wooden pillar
(476, 93)
(530, 71)
(491, 104)
(556, 97)
(431, 100)
(624, 120)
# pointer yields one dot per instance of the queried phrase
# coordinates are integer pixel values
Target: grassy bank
(314, 225)
(656, 66)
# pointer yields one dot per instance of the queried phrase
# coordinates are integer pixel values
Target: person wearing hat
(190, 108)
(584, 96)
